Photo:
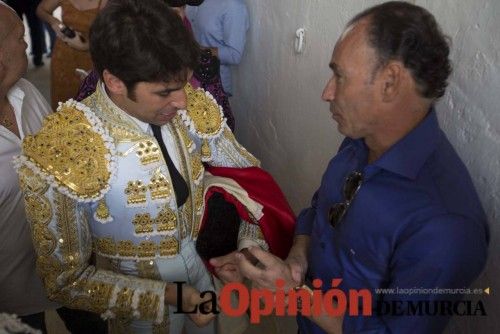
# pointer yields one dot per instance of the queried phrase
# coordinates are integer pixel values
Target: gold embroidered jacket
(93, 181)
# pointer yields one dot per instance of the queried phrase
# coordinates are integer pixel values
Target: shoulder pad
(203, 116)
(73, 152)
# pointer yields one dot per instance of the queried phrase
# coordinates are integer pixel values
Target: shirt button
(322, 244)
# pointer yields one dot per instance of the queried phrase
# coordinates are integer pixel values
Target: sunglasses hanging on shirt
(351, 186)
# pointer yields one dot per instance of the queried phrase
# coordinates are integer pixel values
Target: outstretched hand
(190, 300)
(226, 267)
(271, 269)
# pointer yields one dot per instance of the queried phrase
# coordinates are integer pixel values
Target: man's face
(352, 89)
(155, 102)
(13, 58)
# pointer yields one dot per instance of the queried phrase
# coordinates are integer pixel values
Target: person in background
(71, 47)
(396, 208)
(221, 27)
(52, 39)
(22, 110)
(28, 8)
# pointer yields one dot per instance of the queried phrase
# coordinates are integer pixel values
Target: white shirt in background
(21, 291)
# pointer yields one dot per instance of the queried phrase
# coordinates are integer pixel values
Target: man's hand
(190, 300)
(226, 267)
(271, 268)
(78, 42)
(297, 258)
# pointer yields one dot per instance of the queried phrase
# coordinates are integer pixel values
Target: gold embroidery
(99, 294)
(44, 241)
(143, 223)
(148, 305)
(31, 182)
(39, 214)
(252, 231)
(38, 209)
(66, 226)
(49, 268)
(124, 300)
(188, 142)
(69, 149)
(196, 167)
(198, 199)
(205, 113)
(125, 128)
(136, 193)
(185, 215)
(199, 204)
(148, 152)
(106, 247)
(123, 135)
(127, 248)
(169, 246)
(146, 249)
(159, 186)
(102, 211)
(206, 153)
(253, 161)
(166, 221)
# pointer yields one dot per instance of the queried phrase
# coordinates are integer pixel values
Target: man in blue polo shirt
(396, 208)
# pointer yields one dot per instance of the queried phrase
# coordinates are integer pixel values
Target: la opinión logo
(281, 302)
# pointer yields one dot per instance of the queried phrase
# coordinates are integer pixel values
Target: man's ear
(114, 84)
(391, 77)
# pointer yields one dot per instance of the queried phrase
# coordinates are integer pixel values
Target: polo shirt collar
(409, 154)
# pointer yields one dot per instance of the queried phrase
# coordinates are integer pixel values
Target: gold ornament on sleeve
(72, 152)
(102, 214)
(204, 118)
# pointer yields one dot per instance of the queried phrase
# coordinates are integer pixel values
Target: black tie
(180, 186)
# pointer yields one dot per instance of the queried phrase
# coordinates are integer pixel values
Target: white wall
(281, 118)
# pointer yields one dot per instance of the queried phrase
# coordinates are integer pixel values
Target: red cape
(278, 222)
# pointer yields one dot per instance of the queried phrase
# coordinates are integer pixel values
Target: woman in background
(71, 48)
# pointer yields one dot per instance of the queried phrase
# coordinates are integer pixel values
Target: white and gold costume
(95, 181)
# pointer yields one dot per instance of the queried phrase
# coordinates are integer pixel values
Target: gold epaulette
(73, 152)
(203, 116)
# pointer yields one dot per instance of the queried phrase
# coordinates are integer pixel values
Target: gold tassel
(206, 154)
(102, 211)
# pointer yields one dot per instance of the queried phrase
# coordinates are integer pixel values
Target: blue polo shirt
(416, 222)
